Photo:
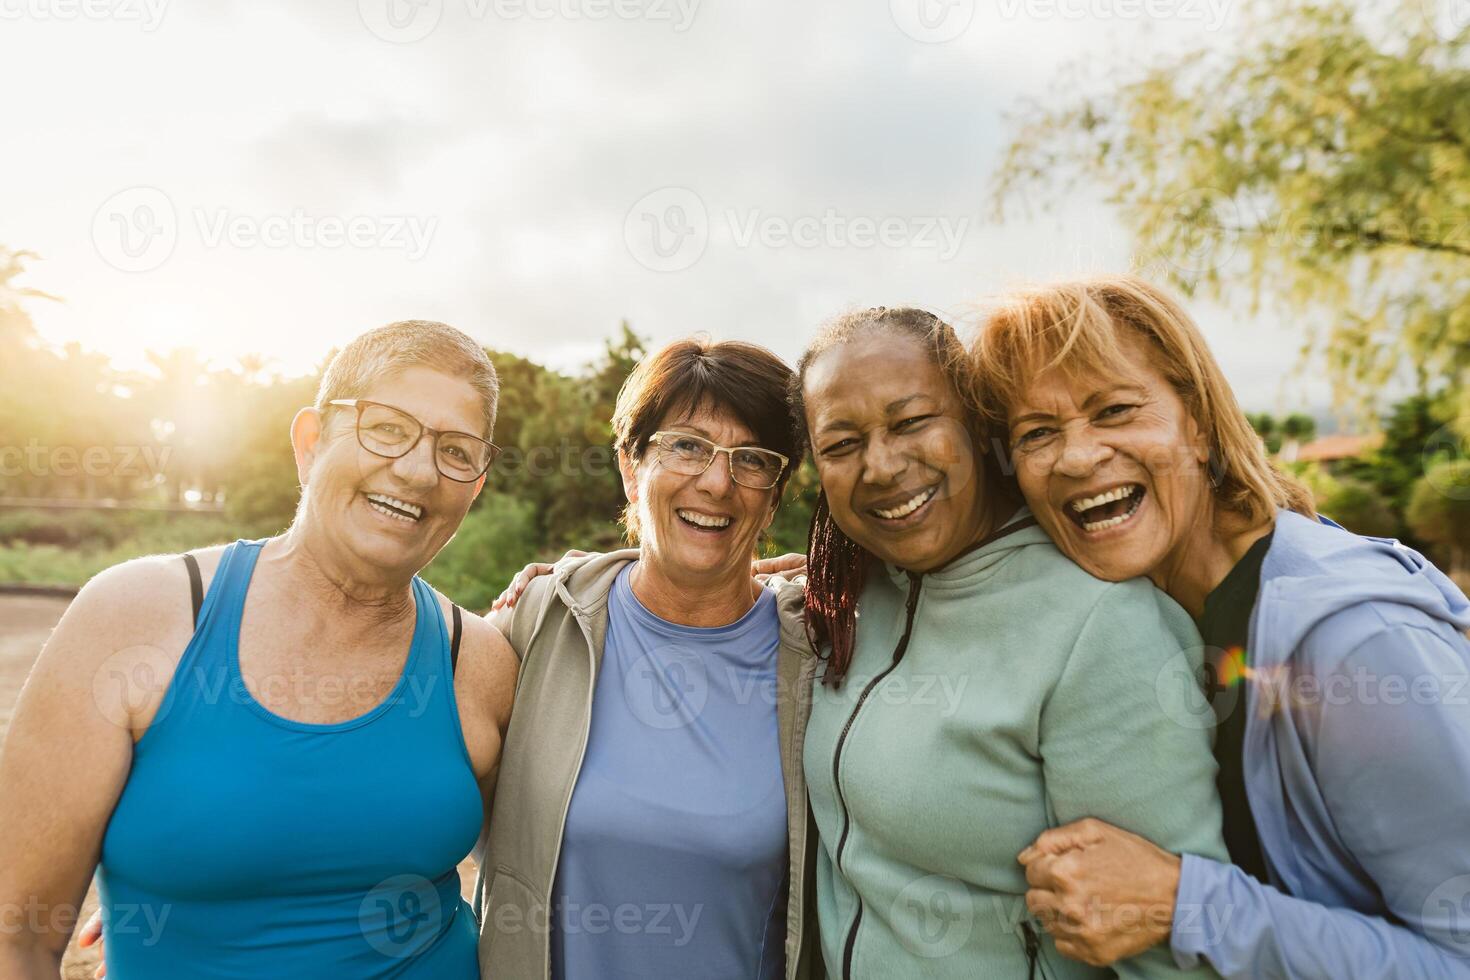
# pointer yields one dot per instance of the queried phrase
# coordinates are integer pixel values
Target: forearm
(1244, 928)
(23, 958)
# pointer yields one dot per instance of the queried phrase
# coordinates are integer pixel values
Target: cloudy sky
(273, 178)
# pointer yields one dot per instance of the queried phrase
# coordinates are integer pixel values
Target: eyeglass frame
(729, 451)
(360, 403)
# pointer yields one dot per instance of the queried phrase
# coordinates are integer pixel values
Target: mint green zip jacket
(1026, 694)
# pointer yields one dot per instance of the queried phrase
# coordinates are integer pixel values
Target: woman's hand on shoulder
(512, 593)
(788, 566)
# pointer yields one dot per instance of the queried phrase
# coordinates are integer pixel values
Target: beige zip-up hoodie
(557, 628)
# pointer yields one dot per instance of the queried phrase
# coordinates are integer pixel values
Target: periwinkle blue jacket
(1357, 768)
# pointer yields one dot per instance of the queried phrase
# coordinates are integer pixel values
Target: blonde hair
(407, 343)
(1077, 326)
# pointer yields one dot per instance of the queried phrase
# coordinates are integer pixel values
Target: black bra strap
(196, 586)
(454, 640)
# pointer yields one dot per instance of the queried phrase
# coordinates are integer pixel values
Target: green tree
(1358, 507)
(1322, 164)
(1439, 511)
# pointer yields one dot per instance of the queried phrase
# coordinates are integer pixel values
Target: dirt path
(25, 623)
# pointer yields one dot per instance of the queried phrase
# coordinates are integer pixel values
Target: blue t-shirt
(674, 855)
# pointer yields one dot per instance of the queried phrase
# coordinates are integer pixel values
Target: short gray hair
(405, 344)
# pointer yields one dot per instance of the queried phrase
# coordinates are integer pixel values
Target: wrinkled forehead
(870, 376)
(439, 400)
(1044, 375)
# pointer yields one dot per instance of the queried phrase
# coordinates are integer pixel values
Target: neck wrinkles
(702, 607)
(311, 569)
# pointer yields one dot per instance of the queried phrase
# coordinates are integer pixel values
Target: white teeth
(703, 520)
(378, 501)
(1117, 493)
(1104, 525)
(908, 507)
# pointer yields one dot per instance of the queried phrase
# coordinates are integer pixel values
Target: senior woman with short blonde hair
(1345, 803)
(277, 752)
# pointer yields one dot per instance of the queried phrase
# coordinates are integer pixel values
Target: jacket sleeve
(1116, 747)
(1387, 731)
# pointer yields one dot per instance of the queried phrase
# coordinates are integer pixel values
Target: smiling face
(1114, 467)
(704, 528)
(393, 515)
(897, 463)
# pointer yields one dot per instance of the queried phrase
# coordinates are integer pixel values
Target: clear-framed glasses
(691, 455)
(391, 432)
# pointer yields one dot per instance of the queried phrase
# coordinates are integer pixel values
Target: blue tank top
(247, 845)
(673, 858)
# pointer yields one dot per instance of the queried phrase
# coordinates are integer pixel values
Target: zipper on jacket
(1031, 942)
(915, 582)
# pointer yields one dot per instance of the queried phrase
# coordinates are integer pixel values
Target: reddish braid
(836, 568)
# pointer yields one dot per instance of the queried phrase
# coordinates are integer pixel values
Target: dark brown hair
(837, 566)
(696, 373)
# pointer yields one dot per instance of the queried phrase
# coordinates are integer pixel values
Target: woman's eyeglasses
(691, 455)
(391, 433)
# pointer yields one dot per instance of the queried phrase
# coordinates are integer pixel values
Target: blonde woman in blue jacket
(1337, 670)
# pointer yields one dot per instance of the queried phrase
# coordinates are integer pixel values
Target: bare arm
(70, 747)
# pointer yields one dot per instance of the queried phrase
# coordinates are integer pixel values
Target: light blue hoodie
(1357, 768)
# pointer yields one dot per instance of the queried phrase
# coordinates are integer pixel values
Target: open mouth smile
(704, 522)
(399, 510)
(906, 507)
(1106, 510)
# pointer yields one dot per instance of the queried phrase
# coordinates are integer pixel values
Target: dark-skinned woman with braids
(979, 687)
